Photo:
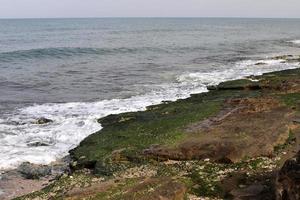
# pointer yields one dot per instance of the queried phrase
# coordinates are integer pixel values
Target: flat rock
(163, 188)
(252, 191)
(253, 130)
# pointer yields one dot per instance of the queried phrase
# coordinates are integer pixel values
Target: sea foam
(74, 121)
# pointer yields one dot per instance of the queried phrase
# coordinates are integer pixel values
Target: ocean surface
(75, 71)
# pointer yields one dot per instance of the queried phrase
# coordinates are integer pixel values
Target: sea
(74, 71)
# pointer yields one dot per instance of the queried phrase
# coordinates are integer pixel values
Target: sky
(149, 8)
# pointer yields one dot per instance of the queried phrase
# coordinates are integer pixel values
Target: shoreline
(287, 59)
(120, 160)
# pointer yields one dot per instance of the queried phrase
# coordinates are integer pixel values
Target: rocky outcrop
(288, 180)
(253, 127)
(242, 84)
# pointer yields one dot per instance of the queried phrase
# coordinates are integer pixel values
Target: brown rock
(288, 180)
(252, 128)
(250, 192)
(33, 171)
(163, 188)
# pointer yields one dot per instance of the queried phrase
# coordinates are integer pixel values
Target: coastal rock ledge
(228, 143)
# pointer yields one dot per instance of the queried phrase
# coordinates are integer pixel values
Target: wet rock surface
(38, 144)
(43, 120)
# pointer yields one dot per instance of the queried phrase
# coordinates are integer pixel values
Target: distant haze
(149, 8)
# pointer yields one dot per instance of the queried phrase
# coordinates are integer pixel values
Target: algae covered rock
(43, 120)
(234, 134)
(134, 132)
(241, 84)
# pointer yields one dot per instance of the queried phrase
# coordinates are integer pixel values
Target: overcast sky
(149, 8)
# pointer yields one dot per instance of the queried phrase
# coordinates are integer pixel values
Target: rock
(252, 191)
(163, 188)
(284, 57)
(37, 144)
(15, 123)
(33, 171)
(260, 63)
(241, 84)
(43, 120)
(296, 121)
(233, 136)
(288, 180)
(60, 167)
(212, 87)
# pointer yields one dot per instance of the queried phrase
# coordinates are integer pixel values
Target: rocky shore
(30, 177)
(237, 141)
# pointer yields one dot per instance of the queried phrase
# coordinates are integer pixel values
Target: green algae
(289, 141)
(239, 85)
(159, 126)
(291, 100)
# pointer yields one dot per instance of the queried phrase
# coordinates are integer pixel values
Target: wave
(76, 120)
(63, 52)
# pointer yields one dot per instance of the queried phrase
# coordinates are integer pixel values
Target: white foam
(72, 123)
(75, 121)
(295, 41)
(239, 70)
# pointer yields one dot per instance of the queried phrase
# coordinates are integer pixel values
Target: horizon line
(150, 17)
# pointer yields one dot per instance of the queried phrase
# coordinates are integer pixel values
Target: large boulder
(33, 171)
(288, 180)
